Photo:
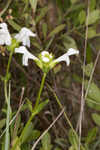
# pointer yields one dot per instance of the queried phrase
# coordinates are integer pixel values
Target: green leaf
(91, 135)
(57, 30)
(44, 29)
(2, 123)
(82, 17)
(33, 4)
(42, 13)
(74, 1)
(92, 5)
(14, 25)
(93, 92)
(91, 32)
(46, 142)
(96, 118)
(40, 106)
(93, 16)
(37, 45)
(27, 133)
(93, 104)
(63, 5)
(73, 139)
(68, 42)
(71, 148)
(14, 133)
(57, 148)
(34, 135)
(29, 104)
(88, 69)
(18, 145)
(61, 142)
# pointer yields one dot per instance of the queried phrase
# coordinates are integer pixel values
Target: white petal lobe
(23, 36)
(65, 57)
(5, 37)
(26, 55)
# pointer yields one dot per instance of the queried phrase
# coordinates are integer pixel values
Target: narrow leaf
(96, 118)
(57, 30)
(33, 4)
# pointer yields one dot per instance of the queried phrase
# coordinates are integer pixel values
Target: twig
(92, 74)
(13, 118)
(22, 94)
(83, 82)
(47, 129)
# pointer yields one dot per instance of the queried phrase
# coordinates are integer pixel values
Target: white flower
(5, 37)
(23, 36)
(45, 59)
(26, 55)
(65, 57)
(43, 53)
(45, 56)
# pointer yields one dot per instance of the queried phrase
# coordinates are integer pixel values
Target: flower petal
(28, 32)
(25, 60)
(3, 25)
(44, 53)
(21, 50)
(72, 51)
(26, 54)
(5, 37)
(65, 57)
(23, 36)
(45, 59)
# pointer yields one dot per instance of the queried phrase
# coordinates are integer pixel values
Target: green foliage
(59, 25)
(14, 25)
(93, 97)
(44, 29)
(91, 32)
(96, 118)
(93, 92)
(92, 133)
(43, 12)
(46, 142)
(88, 69)
(57, 30)
(73, 139)
(68, 42)
(82, 17)
(27, 133)
(2, 123)
(63, 5)
(92, 5)
(33, 4)
(94, 16)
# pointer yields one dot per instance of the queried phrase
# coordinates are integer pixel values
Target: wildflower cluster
(45, 60)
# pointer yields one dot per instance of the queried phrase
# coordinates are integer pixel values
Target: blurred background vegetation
(59, 25)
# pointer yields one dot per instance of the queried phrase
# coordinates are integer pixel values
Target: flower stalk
(7, 98)
(40, 90)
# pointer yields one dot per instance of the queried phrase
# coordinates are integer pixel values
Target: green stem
(36, 104)
(7, 98)
(40, 90)
(65, 115)
(61, 106)
(9, 62)
(26, 126)
(33, 113)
